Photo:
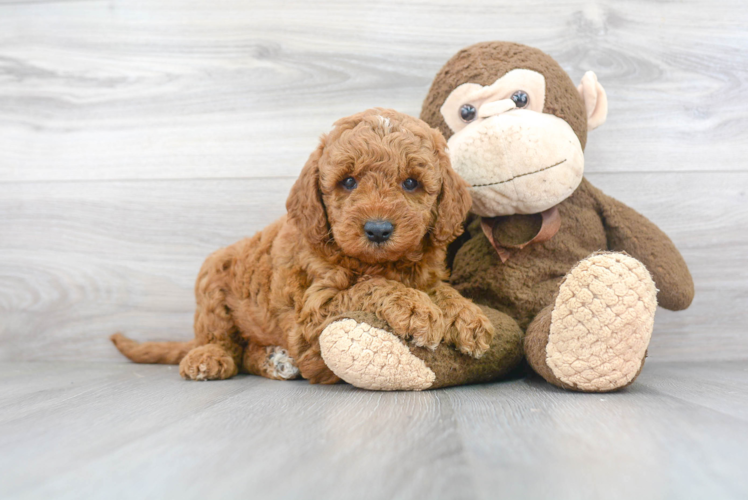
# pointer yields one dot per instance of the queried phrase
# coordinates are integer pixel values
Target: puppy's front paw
(207, 362)
(473, 332)
(412, 314)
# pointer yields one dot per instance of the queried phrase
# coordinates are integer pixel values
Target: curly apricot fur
(283, 285)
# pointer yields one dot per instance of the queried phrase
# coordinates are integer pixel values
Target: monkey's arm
(629, 231)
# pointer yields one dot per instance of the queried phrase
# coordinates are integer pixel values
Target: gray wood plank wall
(138, 136)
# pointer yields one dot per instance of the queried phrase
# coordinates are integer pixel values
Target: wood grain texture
(119, 430)
(137, 137)
(186, 89)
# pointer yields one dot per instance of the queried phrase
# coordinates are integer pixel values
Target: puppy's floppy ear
(454, 200)
(304, 204)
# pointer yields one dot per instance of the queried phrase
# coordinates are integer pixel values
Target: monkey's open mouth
(518, 176)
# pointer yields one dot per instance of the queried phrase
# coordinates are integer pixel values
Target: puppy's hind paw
(207, 362)
(279, 364)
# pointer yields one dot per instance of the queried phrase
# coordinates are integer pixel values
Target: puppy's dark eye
(410, 184)
(349, 183)
(467, 112)
(520, 98)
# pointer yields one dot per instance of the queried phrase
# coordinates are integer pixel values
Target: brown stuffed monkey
(569, 277)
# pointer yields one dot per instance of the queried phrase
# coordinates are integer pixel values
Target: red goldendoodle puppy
(368, 223)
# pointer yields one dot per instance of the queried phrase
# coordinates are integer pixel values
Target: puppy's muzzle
(378, 231)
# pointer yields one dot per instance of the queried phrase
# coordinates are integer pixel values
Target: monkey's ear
(453, 202)
(595, 100)
(304, 204)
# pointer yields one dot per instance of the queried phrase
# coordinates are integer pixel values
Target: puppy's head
(381, 188)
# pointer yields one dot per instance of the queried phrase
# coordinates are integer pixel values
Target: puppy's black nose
(378, 230)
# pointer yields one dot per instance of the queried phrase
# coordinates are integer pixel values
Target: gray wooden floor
(116, 430)
(137, 136)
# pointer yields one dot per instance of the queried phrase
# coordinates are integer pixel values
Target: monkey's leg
(362, 350)
(594, 337)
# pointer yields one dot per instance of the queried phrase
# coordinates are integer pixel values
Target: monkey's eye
(410, 184)
(520, 98)
(349, 183)
(467, 112)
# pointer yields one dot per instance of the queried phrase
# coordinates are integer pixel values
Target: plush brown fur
(525, 285)
(591, 221)
(485, 62)
(282, 286)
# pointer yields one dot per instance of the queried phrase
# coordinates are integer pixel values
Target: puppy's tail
(165, 353)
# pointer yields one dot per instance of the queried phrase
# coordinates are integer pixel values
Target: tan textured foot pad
(372, 358)
(602, 322)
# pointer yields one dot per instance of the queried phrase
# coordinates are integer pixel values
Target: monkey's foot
(361, 350)
(594, 337)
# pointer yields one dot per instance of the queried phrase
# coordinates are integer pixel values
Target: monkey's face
(516, 125)
(517, 159)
